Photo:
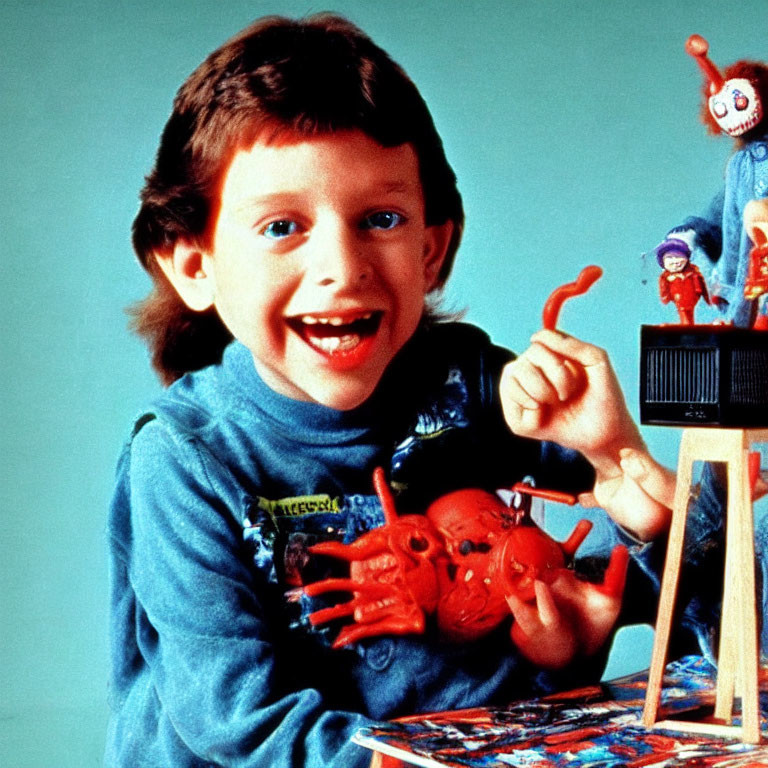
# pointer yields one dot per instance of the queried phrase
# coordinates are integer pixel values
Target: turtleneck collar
(312, 422)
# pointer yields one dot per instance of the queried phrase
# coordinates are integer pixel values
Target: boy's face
(321, 260)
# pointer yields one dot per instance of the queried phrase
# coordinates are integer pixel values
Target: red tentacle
(586, 279)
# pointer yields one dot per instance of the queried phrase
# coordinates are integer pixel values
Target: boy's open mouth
(336, 335)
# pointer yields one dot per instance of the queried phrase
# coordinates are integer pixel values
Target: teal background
(573, 128)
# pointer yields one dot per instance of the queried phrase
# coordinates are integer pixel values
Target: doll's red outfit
(684, 288)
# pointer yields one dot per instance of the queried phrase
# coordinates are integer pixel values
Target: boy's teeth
(337, 343)
(335, 321)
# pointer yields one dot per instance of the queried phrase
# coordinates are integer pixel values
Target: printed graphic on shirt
(448, 411)
(281, 533)
(293, 506)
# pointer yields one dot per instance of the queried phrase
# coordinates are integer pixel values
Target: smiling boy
(300, 218)
(320, 262)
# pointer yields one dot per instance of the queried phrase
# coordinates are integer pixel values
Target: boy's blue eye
(282, 228)
(382, 220)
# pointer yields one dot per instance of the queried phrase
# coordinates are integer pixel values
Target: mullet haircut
(279, 77)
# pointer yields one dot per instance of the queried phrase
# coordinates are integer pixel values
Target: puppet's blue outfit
(222, 488)
(720, 234)
(720, 231)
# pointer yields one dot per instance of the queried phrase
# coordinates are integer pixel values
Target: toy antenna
(385, 496)
(698, 47)
(557, 298)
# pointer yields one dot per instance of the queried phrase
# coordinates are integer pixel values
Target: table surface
(595, 727)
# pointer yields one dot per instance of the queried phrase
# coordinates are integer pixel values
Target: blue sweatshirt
(220, 490)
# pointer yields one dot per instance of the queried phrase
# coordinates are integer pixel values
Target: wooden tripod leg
(747, 640)
(738, 656)
(669, 582)
(727, 655)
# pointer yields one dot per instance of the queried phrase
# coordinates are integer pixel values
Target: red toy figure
(472, 561)
(681, 281)
(756, 226)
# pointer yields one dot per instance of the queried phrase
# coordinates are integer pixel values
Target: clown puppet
(734, 104)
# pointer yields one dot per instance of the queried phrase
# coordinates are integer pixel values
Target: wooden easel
(738, 652)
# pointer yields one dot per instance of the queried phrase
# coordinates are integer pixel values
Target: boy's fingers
(525, 616)
(545, 602)
(657, 481)
(570, 346)
(544, 614)
(533, 380)
(563, 375)
(513, 392)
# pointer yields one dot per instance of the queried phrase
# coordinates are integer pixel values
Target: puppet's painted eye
(740, 101)
(719, 109)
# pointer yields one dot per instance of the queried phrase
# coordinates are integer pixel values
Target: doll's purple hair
(672, 245)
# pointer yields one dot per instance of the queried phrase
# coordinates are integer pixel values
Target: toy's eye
(276, 230)
(418, 544)
(382, 220)
(740, 101)
(719, 109)
(466, 547)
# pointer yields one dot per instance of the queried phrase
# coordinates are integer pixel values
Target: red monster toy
(462, 561)
(472, 561)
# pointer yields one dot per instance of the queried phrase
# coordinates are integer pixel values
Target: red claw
(460, 561)
(616, 573)
(544, 493)
(586, 279)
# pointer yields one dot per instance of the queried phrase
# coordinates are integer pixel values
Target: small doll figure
(681, 281)
(756, 227)
(734, 104)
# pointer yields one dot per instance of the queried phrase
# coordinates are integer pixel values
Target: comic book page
(592, 727)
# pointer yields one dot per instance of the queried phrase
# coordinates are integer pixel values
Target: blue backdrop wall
(573, 128)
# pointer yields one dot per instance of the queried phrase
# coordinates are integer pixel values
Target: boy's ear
(436, 242)
(187, 269)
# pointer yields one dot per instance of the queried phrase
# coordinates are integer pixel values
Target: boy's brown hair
(277, 77)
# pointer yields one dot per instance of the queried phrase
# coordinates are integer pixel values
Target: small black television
(703, 375)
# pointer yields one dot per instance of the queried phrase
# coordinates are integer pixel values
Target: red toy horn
(587, 277)
(385, 496)
(698, 47)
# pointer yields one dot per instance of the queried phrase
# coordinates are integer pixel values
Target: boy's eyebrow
(401, 186)
(392, 187)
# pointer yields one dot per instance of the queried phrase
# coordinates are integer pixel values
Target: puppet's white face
(675, 262)
(736, 107)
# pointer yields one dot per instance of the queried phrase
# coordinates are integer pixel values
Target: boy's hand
(639, 496)
(569, 616)
(541, 632)
(564, 390)
(593, 608)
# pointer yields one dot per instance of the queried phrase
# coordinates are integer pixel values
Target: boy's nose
(340, 260)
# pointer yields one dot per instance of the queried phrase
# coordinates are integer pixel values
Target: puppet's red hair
(757, 73)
